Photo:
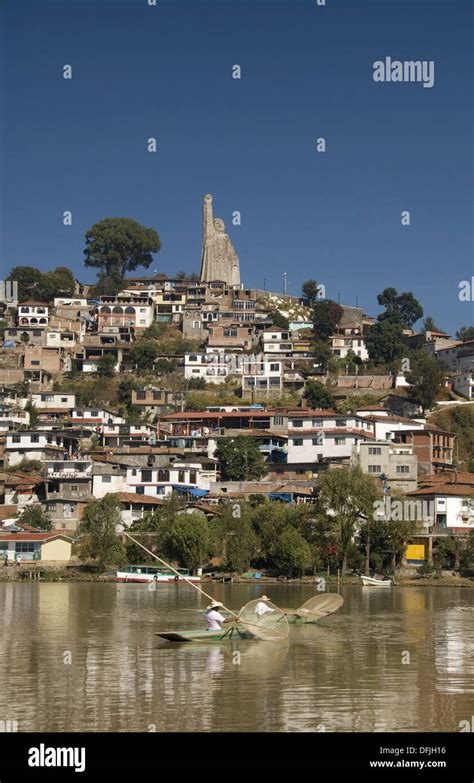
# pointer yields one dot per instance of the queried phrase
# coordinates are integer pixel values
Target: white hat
(264, 598)
(214, 605)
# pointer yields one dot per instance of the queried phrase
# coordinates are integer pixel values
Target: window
(375, 450)
(181, 476)
(339, 441)
(157, 395)
(297, 441)
(140, 490)
(74, 488)
(26, 546)
(192, 477)
(163, 475)
(278, 420)
(274, 367)
(146, 475)
(34, 438)
(402, 469)
(318, 423)
(50, 506)
(317, 441)
(297, 423)
(107, 479)
(374, 469)
(16, 439)
(141, 395)
(341, 422)
(94, 414)
(34, 362)
(63, 399)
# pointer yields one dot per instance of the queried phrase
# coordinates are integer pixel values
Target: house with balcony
(463, 384)
(39, 445)
(230, 337)
(42, 364)
(342, 344)
(126, 310)
(153, 400)
(262, 376)
(182, 477)
(53, 401)
(112, 434)
(434, 449)
(321, 435)
(33, 314)
(451, 508)
(277, 341)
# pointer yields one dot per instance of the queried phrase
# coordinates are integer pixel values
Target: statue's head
(208, 198)
(219, 225)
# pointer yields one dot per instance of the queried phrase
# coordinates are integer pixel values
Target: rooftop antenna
(339, 298)
(284, 282)
(357, 301)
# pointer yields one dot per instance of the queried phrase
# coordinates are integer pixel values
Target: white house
(341, 344)
(33, 314)
(94, 416)
(54, 400)
(181, 476)
(277, 341)
(463, 384)
(315, 435)
(450, 506)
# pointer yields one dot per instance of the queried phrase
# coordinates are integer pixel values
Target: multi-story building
(33, 314)
(396, 462)
(433, 448)
(154, 400)
(126, 310)
(319, 435)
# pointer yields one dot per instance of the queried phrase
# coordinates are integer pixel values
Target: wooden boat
(222, 634)
(314, 609)
(140, 573)
(370, 581)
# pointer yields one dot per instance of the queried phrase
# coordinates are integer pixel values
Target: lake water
(83, 657)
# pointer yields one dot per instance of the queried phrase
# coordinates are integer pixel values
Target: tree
(322, 353)
(403, 309)
(427, 378)
(36, 517)
(236, 537)
(27, 278)
(240, 459)
(106, 366)
(187, 540)
(310, 291)
(120, 245)
(347, 496)
(317, 396)
(383, 341)
(59, 282)
(107, 285)
(143, 355)
(326, 315)
(292, 554)
(429, 324)
(30, 408)
(99, 527)
(279, 320)
(465, 333)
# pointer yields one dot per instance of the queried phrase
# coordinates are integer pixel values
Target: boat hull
(368, 581)
(145, 578)
(221, 635)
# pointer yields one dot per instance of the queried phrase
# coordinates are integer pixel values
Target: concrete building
(398, 463)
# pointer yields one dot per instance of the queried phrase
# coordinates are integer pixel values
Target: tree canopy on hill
(460, 420)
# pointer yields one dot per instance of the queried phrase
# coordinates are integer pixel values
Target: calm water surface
(345, 674)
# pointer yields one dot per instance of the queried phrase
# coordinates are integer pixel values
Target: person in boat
(262, 608)
(214, 617)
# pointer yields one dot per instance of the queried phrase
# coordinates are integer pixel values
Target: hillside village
(141, 399)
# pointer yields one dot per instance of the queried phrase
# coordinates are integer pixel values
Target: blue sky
(166, 72)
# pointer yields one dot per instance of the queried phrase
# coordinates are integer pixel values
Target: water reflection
(84, 657)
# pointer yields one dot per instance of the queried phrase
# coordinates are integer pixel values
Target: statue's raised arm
(207, 219)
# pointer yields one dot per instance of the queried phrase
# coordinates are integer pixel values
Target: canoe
(369, 581)
(222, 634)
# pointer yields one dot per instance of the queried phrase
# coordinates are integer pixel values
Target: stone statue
(219, 261)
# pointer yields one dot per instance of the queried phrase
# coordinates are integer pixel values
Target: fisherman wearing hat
(261, 608)
(214, 617)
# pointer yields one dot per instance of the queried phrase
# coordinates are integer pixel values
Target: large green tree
(188, 540)
(347, 496)
(326, 314)
(427, 378)
(143, 354)
(292, 554)
(317, 396)
(384, 341)
(403, 309)
(240, 459)
(43, 286)
(99, 527)
(120, 245)
(310, 291)
(465, 333)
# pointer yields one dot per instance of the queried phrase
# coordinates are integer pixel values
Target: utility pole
(284, 282)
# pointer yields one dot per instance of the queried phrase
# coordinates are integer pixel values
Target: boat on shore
(140, 573)
(370, 581)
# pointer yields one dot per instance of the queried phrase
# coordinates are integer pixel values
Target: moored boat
(140, 573)
(370, 581)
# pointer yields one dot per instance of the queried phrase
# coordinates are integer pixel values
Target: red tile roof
(134, 497)
(33, 536)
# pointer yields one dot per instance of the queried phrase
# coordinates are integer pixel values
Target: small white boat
(370, 581)
(139, 573)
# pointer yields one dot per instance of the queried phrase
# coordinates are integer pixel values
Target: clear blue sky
(165, 71)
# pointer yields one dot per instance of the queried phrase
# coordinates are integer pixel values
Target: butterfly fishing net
(263, 620)
(319, 606)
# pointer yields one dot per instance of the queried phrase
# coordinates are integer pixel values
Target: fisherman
(214, 617)
(261, 608)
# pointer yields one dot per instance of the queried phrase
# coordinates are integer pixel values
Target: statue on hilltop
(219, 261)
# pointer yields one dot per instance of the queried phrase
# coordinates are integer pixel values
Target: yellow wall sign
(415, 552)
